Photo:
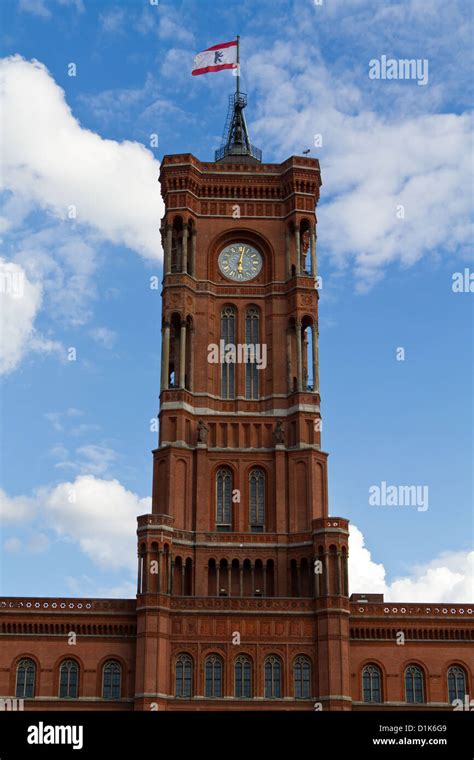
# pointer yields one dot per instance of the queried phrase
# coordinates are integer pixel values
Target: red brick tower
(242, 589)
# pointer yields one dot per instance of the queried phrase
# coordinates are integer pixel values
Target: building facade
(243, 591)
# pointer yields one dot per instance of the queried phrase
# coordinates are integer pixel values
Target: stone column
(170, 579)
(139, 574)
(299, 358)
(165, 356)
(326, 573)
(183, 578)
(168, 246)
(288, 359)
(287, 254)
(191, 358)
(182, 355)
(160, 569)
(241, 573)
(252, 575)
(193, 252)
(298, 249)
(265, 579)
(218, 578)
(298, 577)
(314, 335)
(313, 253)
(338, 574)
(184, 257)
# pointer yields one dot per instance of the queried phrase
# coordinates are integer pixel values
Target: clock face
(240, 262)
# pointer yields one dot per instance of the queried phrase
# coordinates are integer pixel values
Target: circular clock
(240, 262)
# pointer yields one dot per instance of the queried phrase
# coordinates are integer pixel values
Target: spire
(236, 145)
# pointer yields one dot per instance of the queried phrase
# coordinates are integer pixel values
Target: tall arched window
(68, 679)
(224, 499)
(456, 683)
(243, 677)
(252, 341)
(257, 500)
(25, 679)
(184, 676)
(371, 684)
(272, 677)
(111, 680)
(228, 333)
(414, 692)
(213, 671)
(302, 677)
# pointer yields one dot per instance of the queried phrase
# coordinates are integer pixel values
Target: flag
(216, 58)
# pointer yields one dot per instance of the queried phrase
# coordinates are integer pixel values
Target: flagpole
(238, 65)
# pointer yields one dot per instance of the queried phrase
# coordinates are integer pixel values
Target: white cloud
(90, 459)
(113, 186)
(447, 578)
(113, 21)
(100, 515)
(12, 545)
(104, 336)
(20, 301)
(372, 163)
(36, 7)
(16, 509)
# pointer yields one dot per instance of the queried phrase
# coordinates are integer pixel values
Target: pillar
(193, 252)
(184, 257)
(288, 360)
(168, 246)
(298, 249)
(287, 254)
(165, 356)
(313, 253)
(314, 336)
(182, 355)
(299, 358)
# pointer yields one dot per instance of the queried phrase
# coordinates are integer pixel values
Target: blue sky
(76, 435)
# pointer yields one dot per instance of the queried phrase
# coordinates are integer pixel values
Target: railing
(235, 150)
(387, 609)
(59, 604)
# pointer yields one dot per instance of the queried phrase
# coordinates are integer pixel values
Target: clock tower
(242, 596)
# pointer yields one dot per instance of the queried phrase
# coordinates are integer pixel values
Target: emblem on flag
(216, 58)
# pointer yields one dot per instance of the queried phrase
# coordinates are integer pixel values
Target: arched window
(228, 332)
(456, 683)
(302, 677)
(25, 679)
(224, 499)
(243, 677)
(184, 676)
(272, 677)
(257, 500)
(252, 341)
(111, 680)
(371, 684)
(68, 679)
(414, 684)
(213, 672)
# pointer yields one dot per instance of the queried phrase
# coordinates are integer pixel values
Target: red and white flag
(216, 58)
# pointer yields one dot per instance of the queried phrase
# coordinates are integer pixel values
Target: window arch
(25, 679)
(213, 673)
(456, 683)
(224, 499)
(302, 677)
(228, 333)
(68, 679)
(257, 500)
(414, 687)
(371, 684)
(243, 677)
(273, 673)
(252, 340)
(184, 676)
(112, 680)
